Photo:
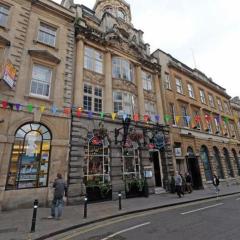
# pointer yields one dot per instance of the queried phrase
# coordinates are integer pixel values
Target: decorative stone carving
(93, 78)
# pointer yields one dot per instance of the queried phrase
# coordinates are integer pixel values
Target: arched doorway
(193, 168)
(30, 157)
(206, 163)
(237, 160)
(228, 163)
(216, 157)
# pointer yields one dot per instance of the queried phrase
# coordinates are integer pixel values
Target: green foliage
(135, 184)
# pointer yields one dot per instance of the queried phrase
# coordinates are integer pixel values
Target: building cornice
(55, 8)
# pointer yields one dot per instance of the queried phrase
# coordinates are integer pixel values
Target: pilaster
(140, 91)
(78, 89)
(108, 83)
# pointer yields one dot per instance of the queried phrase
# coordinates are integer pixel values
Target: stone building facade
(115, 76)
(205, 137)
(235, 106)
(37, 55)
(81, 94)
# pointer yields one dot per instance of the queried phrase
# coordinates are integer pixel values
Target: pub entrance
(193, 169)
(155, 155)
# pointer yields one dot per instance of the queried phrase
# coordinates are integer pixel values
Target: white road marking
(237, 199)
(125, 230)
(200, 209)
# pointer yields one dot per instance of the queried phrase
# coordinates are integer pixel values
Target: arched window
(228, 163)
(122, 69)
(206, 163)
(237, 160)
(30, 157)
(121, 14)
(216, 157)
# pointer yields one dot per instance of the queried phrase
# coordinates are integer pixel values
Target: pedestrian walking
(184, 185)
(216, 183)
(60, 190)
(178, 185)
(188, 182)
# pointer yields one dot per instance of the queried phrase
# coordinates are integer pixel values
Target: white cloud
(210, 28)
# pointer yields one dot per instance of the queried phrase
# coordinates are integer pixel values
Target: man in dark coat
(60, 190)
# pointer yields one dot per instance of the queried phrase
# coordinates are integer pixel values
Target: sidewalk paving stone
(16, 224)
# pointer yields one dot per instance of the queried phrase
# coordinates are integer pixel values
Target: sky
(203, 34)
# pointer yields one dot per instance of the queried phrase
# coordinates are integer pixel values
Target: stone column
(159, 98)
(108, 102)
(140, 91)
(78, 86)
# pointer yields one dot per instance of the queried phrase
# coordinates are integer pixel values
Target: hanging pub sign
(9, 74)
(159, 140)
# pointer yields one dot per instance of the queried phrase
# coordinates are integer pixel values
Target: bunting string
(136, 117)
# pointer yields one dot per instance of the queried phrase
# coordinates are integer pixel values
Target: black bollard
(34, 217)
(120, 201)
(85, 207)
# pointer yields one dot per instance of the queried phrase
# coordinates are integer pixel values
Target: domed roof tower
(117, 8)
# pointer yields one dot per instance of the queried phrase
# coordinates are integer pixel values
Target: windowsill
(169, 89)
(38, 98)
(4, 28)
(92, 71)
(182, 94)
(124, 80)
(45, 44)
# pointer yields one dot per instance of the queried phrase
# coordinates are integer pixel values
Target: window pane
(47, 34)
(3, 15)
(26, 159)
(41, 80)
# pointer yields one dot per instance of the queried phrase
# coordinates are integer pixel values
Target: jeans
(57, 208)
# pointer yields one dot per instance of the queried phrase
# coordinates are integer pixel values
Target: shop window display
(97, 168)
(30, 157)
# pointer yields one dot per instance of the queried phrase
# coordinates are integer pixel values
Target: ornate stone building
(204, 132)
(37, 55)
(115, 75)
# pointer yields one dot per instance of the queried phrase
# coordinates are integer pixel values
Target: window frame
(202, 96)
(179, 85)
(150, 109)
(121, 14)
(191, 91)
(5, 14)
(219, 103)
(132, 105)
(119, 70)
(184, 111)
(94, 61)
(173, 113)
(93, 97)
(211, 100)
(147, 81)
(167, 81)
(26, 129)
(50, 81)
(226, 107)
(49, 27)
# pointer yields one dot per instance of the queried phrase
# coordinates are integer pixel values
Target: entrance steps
(159, 190)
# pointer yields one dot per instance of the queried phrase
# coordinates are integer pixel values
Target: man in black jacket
(59, 192)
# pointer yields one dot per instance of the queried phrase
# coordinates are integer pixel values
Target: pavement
(16, 224)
